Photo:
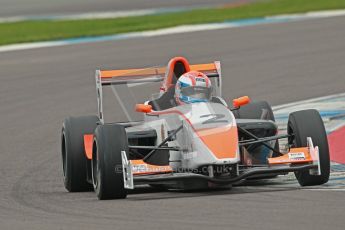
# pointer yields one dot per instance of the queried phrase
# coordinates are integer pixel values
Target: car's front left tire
(107, 175)
(308, 123)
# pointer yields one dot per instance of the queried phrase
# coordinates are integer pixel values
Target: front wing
(297, 159)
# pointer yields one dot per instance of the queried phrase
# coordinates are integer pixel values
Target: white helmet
(193, 87)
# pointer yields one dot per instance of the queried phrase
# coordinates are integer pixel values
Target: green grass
(29, 31)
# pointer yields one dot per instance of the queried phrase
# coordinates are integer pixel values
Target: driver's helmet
(193, 87)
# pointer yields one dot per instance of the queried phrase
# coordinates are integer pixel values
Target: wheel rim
(292, 143)
(292, 139)
(95, 167)
(64, 155)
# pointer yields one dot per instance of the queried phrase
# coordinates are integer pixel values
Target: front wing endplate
(127, 171)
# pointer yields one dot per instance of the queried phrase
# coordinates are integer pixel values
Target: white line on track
(92, 15)
(102, 15)
(331, 108)
(177, 30)
(324, 98)
(325, 189)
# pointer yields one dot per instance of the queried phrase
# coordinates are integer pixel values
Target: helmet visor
(197, 92)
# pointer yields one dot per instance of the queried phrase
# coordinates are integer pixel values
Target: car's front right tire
(74, 162)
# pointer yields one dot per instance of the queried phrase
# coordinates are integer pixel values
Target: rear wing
(124, 76)
(155, 74)
(127, 76)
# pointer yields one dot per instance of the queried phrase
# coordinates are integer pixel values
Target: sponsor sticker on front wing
(297, 156)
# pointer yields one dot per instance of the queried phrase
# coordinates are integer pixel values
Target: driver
(193, 87)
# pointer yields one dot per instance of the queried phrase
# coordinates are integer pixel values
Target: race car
(184, 146)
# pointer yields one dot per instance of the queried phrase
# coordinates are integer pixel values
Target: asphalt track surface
(39, 88)
(51, 7)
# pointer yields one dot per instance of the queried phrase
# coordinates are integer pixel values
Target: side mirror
(238, 102)
(142, 108)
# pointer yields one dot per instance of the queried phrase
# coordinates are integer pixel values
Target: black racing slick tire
(107, 175)
(255, 110)
(74, 161)
(308, 123)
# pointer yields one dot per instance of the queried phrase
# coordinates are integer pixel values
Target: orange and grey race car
(150, 140)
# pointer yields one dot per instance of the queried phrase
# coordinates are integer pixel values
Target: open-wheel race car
(159, 142)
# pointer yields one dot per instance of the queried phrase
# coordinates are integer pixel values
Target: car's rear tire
(74, 162)
(107, 174)
(257, 110)
(308, 123)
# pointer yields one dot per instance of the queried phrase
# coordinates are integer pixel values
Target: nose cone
(221, 141)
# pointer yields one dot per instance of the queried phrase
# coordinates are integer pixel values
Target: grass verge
(30, 31)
